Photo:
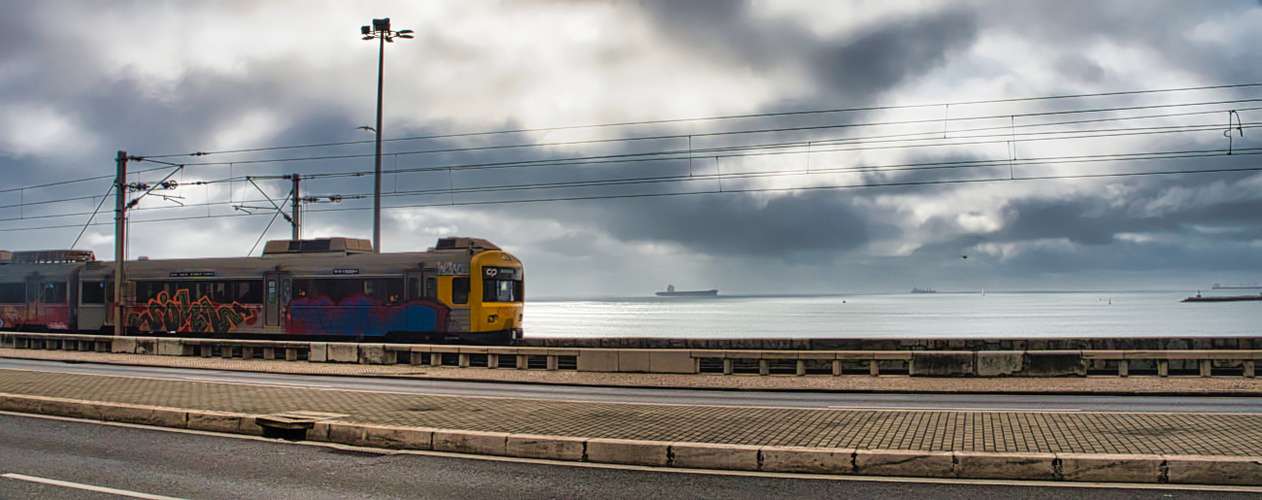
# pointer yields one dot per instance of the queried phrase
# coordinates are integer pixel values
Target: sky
(863, 146)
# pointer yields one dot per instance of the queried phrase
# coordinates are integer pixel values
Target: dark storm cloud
(736, 224)
(850, 68)
(886, 55)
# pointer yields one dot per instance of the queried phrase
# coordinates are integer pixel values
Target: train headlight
(492, 318)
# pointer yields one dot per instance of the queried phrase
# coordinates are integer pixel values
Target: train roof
(304, 257)
(46, 256)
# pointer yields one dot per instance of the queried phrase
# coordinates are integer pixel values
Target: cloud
(240, 75)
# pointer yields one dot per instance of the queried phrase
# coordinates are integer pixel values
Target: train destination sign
(192, 274)
(346, 271)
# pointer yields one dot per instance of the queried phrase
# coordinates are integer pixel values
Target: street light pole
(380, 29)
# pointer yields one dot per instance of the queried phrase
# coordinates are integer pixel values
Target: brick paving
(1125, 433)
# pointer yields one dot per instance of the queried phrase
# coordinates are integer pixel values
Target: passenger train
(461, 290)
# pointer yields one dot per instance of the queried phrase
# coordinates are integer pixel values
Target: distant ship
(923, 290)
(670, 292)
(1253, 286)
(1233, 298)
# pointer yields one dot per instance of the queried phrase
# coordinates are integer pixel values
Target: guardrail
(1014, 363)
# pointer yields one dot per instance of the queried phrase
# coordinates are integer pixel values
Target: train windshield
(501, 284)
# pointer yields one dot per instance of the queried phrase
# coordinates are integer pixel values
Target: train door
(48, 299)
(422, 284)
(276, 289)
(34, 308)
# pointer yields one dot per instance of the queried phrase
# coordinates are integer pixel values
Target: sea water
(927, 315)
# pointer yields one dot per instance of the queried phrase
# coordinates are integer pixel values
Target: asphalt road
(173, 464)
(968, 402)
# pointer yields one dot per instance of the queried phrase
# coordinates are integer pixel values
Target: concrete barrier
(173, 347)
(225, 422)
(598, 360)
(1098, 467)
(999, 363)
(341, 352)
(472, 442)
(1023, 466)
(1241, 471)
(628, 452)
(715, 456)
(373, 354)
(547, 447)
(397, 438)
(943, 364)
(1054, 364)
(808, 460)
(904, 463)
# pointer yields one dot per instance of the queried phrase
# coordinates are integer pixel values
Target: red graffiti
(177, 314)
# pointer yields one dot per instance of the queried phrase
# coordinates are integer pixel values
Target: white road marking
(87, 487)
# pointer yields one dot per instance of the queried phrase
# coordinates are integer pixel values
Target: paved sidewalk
(1135, 385)
(989, 431)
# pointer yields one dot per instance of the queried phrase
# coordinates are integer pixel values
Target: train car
(461, 290)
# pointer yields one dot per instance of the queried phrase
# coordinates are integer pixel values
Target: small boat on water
(671, 292)
(923, 290)
(1222, 298)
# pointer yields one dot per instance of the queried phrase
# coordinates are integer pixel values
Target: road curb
(1172, 469)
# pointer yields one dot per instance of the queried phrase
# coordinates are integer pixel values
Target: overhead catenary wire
(605, 182)
(1032, 131)
(729, 189)
(956, 132)
(779, 114)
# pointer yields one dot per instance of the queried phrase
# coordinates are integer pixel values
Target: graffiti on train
(177, 314)
(360, 315)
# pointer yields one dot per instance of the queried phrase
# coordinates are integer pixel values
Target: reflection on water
(941, 315)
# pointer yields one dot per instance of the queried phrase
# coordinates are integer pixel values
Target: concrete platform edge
(1159, 469)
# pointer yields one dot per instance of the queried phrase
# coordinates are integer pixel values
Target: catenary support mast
(120, 240)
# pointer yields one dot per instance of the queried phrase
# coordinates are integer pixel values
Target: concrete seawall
(1008, 358)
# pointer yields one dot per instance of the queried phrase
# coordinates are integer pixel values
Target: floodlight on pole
(380, 30)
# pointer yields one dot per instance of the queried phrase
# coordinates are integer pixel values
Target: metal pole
(295, 220)
(376, 193)
(120, 237)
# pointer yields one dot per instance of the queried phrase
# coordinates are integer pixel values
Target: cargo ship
(1253, 286)
(671, 292)
(1222, 298)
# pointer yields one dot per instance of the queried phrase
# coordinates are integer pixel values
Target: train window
(248, 292)
(460, 290)
(338, 291)
(54, 293)
(12, 293)
(93, 292)
(431, 288)
(271, 291)
(501, 291)
(149, 290)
